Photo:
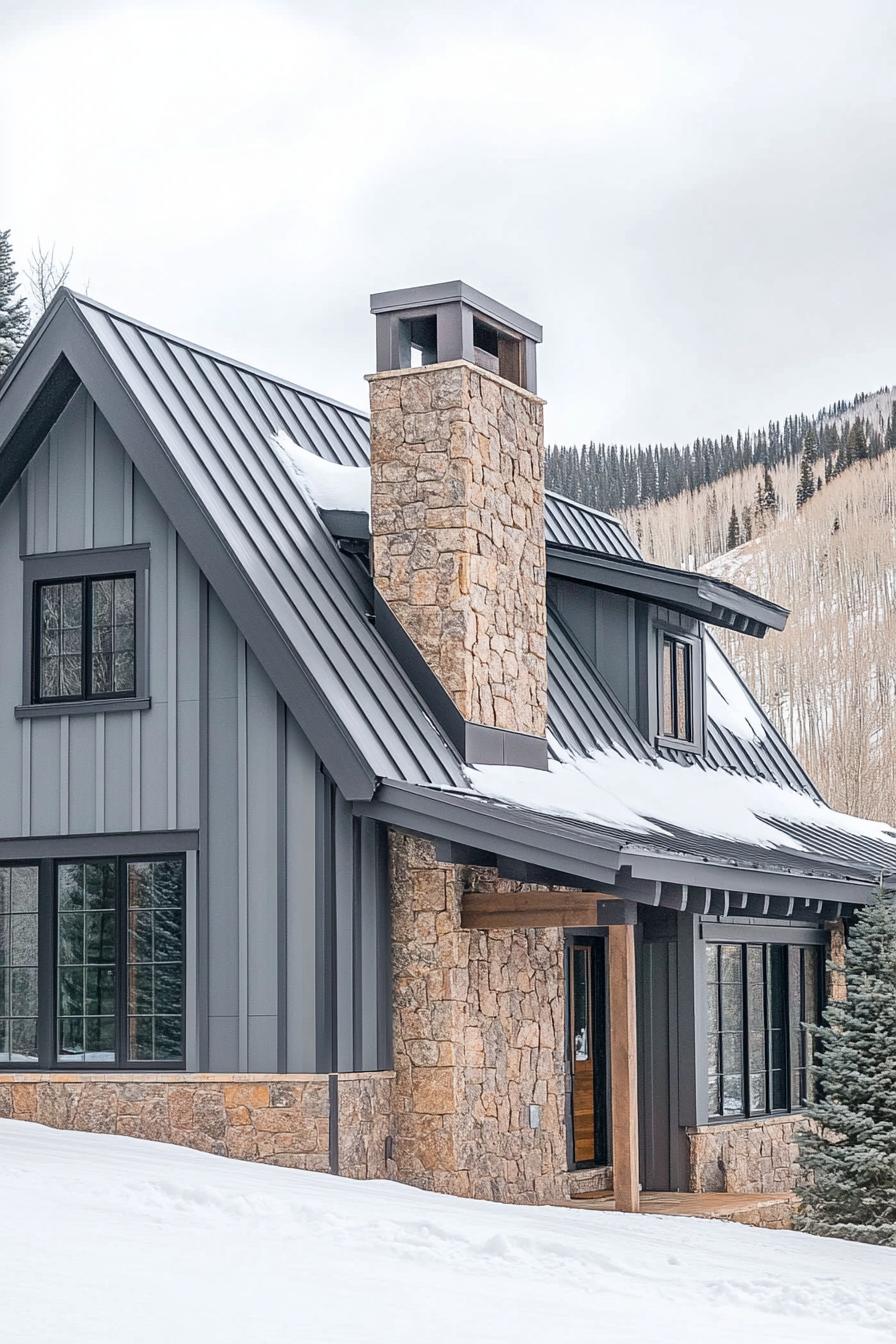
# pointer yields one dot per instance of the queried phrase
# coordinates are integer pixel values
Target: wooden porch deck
(773, 1210)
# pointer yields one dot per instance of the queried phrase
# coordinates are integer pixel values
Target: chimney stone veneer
(457, 523)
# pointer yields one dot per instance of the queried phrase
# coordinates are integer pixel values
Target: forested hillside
(614, 478)
(811, 523)
(829, 679)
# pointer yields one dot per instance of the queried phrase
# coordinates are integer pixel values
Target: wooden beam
(528, 909)
(542, 910)
(624, 1068)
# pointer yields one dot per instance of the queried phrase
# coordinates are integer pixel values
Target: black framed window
(677, 683)
(155, 960)
(760, 999)
(120, 961)
(805, 1010)
(93, 962)
(84, 644)
(18, 963)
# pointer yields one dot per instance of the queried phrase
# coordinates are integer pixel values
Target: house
(368, 808)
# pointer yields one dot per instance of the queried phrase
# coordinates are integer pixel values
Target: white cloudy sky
(698, 200)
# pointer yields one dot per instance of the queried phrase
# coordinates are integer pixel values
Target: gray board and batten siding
(282, 970)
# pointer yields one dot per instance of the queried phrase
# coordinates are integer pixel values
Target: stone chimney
(457, 506)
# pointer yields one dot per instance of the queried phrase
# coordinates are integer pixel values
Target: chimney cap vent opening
(434, 324)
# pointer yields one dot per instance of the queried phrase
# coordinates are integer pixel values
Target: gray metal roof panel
(572, 524)
(216, 418)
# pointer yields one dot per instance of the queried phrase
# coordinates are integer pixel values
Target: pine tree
(769, 497)
(850, 1155)
(806, 485)
(13, 310)
(746, 525)
(733, 530)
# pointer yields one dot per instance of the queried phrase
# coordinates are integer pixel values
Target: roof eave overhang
(64, 352)
(687, 591)
(547, 844)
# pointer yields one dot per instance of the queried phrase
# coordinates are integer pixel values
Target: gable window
(761, 1000)
(85, 631)
(85, 638)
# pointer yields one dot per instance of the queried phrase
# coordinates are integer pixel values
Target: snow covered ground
(114, 1239)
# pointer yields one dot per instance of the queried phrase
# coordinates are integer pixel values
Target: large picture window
(92, 963)
(85, 638)
(761, 999)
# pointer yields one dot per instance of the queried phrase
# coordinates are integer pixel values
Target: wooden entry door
(588, 1050)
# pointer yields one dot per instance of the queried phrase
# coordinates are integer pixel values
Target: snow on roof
(646, 797)
(727, 700)
(329, 485)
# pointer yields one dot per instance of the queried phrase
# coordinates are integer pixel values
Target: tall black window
(677, 689)
(84, 638)
(18, 963)
(805, 1010)
(760, 998)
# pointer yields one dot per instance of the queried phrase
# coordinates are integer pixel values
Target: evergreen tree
(733, 530)
(769, 497)
(746, 524)
(13, 310)
(806, 485)
(850, 1156)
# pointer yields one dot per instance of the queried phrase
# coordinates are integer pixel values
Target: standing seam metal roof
(216, 418)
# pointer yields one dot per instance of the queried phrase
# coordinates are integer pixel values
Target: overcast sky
(697, 200)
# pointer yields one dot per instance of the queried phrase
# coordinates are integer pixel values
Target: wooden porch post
(624, 1068)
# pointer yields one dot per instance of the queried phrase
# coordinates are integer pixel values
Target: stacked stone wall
(479, 1039)
(747, 1157)
(283, 1121)
(457, 522)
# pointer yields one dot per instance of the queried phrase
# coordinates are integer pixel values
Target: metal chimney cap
(454, 291)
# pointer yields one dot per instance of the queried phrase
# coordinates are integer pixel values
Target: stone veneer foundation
(457, 522)
(746, 1157)
(282, 1121)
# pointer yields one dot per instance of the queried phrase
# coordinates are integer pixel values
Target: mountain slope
(829, 679)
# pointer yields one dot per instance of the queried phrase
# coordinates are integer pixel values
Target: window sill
(676, 744)
(60, 708)
(763, 1118)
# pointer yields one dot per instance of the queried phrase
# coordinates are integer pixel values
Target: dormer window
(679, 689)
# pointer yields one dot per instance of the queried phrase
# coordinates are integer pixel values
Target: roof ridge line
(212, 354)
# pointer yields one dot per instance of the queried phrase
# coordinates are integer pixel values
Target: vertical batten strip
(135, 769)
(29, 525)
(89, 483)
(242, 746)
(64, 742)
(52, 491)
(100, 771)
(128, 503)
(26, 777)
(172, 678)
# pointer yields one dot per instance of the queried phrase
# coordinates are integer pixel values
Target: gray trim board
(111, 845)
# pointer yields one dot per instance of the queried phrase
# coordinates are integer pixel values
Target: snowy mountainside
(828, 680)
